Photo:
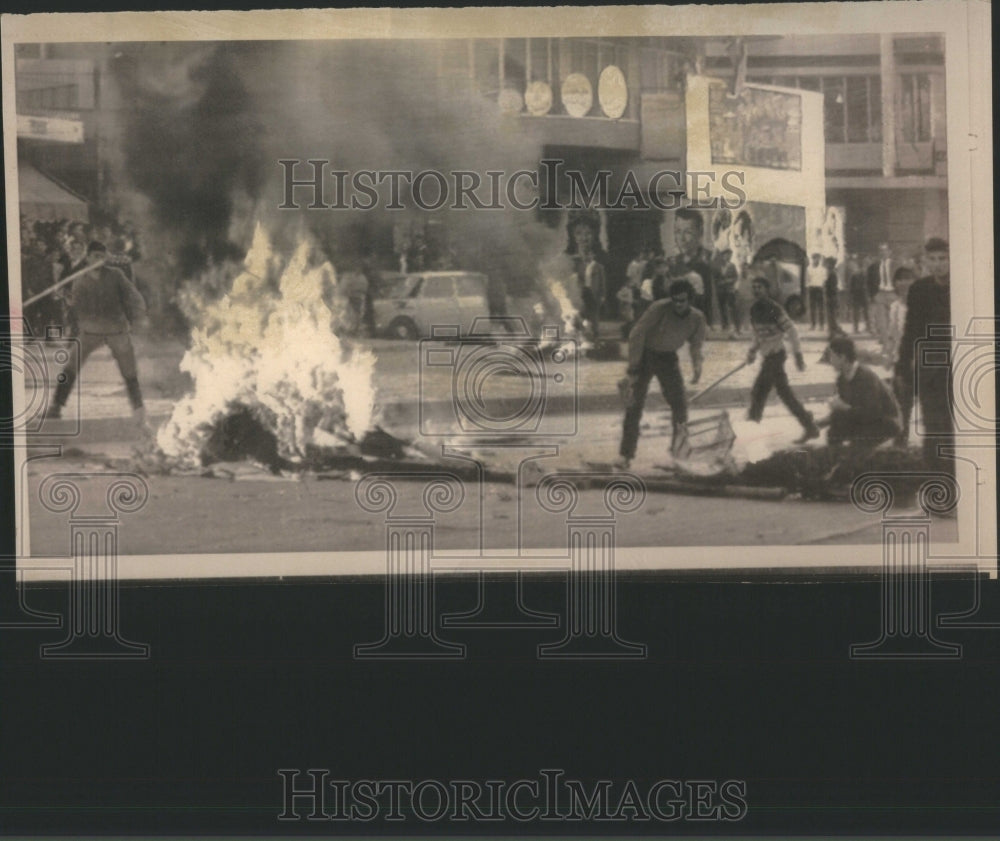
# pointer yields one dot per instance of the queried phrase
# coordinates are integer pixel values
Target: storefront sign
(577, 95)
(538, 98)
(510, 101)
(612, 92)
(55, 129)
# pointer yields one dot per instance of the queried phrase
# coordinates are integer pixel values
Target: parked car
(408, 307)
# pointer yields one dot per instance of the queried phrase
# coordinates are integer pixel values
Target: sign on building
(55, 129)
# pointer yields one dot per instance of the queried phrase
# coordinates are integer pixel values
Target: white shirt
(885, 276)
(634, 271)
(897, 321)
(815, 276)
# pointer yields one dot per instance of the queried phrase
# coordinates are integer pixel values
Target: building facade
(884, 116)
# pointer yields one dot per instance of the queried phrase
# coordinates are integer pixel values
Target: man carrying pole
(105, 304)
(771, 326)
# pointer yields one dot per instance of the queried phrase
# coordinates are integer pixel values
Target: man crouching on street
(864, 413)
(659, 333)
(771, 326)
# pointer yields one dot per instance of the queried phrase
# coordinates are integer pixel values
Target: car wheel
(794, 307)
(403, 328)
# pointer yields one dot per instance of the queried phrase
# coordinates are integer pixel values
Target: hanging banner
(770, 142)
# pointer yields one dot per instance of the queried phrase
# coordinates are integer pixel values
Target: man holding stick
(105, 304)
(771, 326)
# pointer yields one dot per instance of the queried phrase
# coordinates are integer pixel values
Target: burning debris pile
(272, 379)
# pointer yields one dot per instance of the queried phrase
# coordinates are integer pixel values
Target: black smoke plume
(204, 127)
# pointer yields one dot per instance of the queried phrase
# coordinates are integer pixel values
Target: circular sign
(577, 95)
(538, 98)
(612, 92)
(510, 101)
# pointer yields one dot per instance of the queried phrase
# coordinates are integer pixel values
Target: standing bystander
(815, 278)
(928, 305)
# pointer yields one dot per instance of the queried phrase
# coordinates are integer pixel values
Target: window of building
(834, 109)
(875, 109)
(659, 70)
(514, 63)
(915, 107)
(852, 105)
(540, 59)
(486, 61)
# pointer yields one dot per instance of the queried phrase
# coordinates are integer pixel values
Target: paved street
(103, 405)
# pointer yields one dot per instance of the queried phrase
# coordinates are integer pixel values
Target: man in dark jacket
(864, 412)
(928, 305)
(105, 304)
(857, 290)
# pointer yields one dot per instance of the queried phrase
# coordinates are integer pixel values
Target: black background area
(746, 681)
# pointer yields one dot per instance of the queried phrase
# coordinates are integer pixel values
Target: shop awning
(43, 198)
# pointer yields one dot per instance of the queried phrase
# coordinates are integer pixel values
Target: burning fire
(557, 287)
(268, 345)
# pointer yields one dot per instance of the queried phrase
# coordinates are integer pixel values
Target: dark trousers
(831, 313)
(934, 393)
(815, 306)
(859, 307)
(707, 299)
(772, 375)
(124, 355)
(591, 310)
(665, 368)
(848, 426)
(902, 390)
(729, 308)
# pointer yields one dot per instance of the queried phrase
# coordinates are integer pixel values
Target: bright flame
(559, 285)
(270, 346)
